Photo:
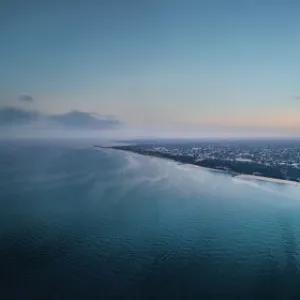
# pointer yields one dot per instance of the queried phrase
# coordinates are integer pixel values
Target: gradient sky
(180, 65)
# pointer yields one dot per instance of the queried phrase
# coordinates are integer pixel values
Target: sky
(155, 67)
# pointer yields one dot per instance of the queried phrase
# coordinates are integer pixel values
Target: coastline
(238, 176)
(164, 158)
(206, 168)
(268, 179)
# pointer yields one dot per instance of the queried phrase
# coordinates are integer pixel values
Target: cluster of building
(269, 155)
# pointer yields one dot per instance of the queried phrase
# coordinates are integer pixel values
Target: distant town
(279, 159)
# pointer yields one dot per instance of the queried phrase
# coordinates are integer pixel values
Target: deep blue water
(83, 223)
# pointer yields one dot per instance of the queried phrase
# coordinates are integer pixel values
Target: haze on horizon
(137, 68)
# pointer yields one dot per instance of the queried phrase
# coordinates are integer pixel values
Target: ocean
(78, 222)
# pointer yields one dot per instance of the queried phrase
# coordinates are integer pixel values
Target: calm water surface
(83, 223)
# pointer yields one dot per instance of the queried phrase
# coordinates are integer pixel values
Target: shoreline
(167, 159)
(238, 176)
(267, 179)
(206, 168)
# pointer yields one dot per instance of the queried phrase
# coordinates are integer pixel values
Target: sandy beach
(254, 177)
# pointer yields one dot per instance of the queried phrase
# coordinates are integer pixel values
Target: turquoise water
(84, 223)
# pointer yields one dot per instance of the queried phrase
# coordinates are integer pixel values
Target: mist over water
(83, 223)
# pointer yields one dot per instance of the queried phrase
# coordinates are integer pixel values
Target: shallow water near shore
(84, 223)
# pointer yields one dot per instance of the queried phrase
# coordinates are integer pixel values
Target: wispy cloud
(25, 98)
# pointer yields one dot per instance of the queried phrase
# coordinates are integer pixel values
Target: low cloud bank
(82, 120)
(16, 121)
(12, 116)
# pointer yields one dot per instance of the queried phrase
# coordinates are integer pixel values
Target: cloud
(297, 98)
(17, 116)
(25, 98)
(83, 120)
(77, 120)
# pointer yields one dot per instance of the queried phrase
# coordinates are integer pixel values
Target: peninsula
(276, 161)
